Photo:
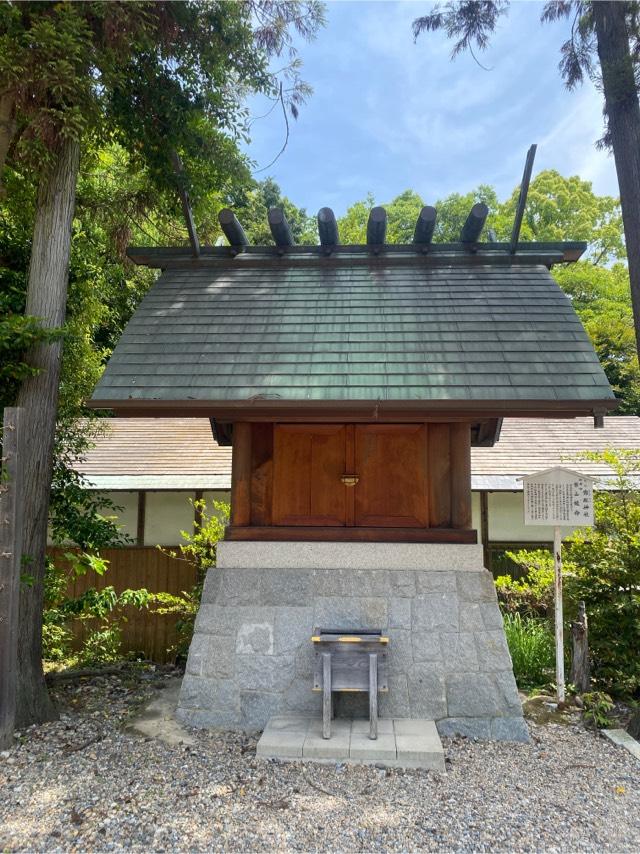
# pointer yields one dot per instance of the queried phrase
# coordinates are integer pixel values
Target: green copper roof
(339, 330)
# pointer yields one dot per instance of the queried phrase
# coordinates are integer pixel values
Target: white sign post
(558, 496)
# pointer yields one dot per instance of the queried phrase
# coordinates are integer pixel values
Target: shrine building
(352, 382)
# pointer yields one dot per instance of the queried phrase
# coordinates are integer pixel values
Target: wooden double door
(368, 475)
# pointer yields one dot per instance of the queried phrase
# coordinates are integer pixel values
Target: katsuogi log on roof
(474, 333)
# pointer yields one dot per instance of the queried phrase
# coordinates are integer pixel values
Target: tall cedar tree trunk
(47, 300)
(623, 118)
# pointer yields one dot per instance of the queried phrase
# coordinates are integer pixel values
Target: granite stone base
(252, 658)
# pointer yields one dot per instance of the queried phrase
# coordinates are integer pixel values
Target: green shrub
(532, 594)
(597, 706)
(102, 645)
(531, 644)
(601, 566)
(200, 549)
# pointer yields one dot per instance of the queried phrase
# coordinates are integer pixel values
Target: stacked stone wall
(252, 656)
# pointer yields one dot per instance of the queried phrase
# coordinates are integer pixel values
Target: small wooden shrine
(352, 382)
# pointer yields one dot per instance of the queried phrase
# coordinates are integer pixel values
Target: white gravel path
(83, 784)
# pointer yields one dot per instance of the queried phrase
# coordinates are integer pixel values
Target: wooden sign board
(558, 496)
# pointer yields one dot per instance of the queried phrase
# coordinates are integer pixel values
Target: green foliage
(200, 549)
(102, 645)
(532, 594)
(252, 206)
(531, 644)
(607, 575)
(601, 566)
(597, 706)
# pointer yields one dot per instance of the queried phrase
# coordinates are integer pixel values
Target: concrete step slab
(400, 743)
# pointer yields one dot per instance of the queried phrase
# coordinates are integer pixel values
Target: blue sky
(389, 115)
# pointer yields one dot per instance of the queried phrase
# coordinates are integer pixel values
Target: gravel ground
(82, 783)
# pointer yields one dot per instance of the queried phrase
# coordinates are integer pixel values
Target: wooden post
(461, 476)
(141, 519)
(241, 475)
(10, 563)
(484, 528)
(557, 562)
(373, 695)
(580, 668)
(326, 695)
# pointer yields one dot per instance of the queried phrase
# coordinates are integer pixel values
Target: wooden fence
(134, 567)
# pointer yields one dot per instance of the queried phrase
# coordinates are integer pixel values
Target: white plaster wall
(216, 495)
(506, 520)
(167, 513)
(128, 516)
(475, 514)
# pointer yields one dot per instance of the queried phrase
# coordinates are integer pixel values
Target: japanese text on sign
(558, 497)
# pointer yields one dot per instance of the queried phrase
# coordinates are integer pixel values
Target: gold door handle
(349, 479)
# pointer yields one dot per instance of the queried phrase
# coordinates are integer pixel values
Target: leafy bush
(531, 644)
(597, 706)
(532, 594)
(200, 549)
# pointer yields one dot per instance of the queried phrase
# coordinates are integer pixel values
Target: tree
(609, 30)
(157, 77)
(252, 207)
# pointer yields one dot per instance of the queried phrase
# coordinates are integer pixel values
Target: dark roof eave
(320, 410)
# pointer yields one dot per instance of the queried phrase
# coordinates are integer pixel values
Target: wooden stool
(349, 660)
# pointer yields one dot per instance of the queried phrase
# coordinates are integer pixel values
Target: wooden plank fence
(133, 567)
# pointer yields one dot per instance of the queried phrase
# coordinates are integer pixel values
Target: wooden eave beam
(335, 411)
(498, 254)
(548, 252)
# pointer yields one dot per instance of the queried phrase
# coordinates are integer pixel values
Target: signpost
(558, 496)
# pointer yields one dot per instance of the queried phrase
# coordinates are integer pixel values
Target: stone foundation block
(252, 658)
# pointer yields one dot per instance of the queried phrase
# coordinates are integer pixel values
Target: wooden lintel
(328, 228)
(348, 534)
(280, 228)
(474, 224)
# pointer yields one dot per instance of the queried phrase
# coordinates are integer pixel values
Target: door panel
(391, 462)
(309, 460)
